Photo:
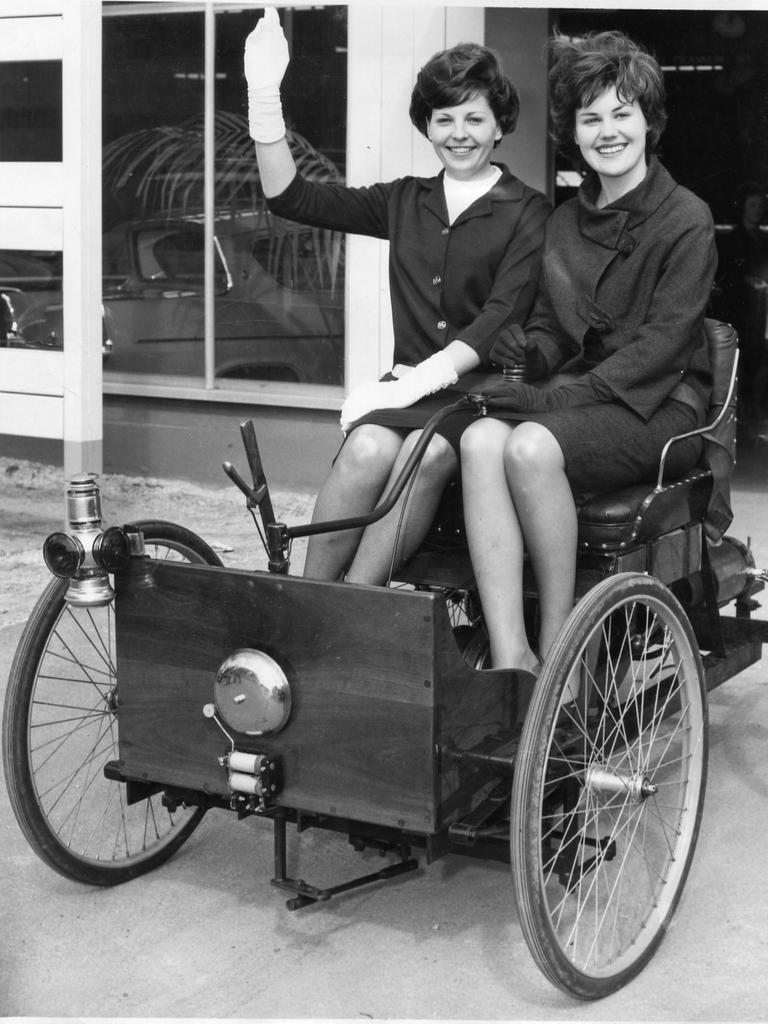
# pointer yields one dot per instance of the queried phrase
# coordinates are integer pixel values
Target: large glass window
(278, 286)
(30, 299)
(30, 111)
(30, 132)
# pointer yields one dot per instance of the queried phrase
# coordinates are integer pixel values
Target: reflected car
(28, 320)
(284, 325)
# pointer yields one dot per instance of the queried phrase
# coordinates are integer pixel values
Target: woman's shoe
(533, 673)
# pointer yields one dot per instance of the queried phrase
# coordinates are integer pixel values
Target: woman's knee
(439, 462)
(533, 449)
(482, 439)
(369, 450)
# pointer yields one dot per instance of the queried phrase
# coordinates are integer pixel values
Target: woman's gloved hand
(264, 62)
(512, 348)
(586, 390)
(429, 376)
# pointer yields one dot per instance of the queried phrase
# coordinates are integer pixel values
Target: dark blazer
(462, 281)
(624, 291)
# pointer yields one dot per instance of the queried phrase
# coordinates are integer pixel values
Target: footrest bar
(307, 894)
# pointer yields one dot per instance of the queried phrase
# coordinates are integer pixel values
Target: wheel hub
(636, 786)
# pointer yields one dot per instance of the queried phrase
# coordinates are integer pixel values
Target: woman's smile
(611, 134)
(464, 137)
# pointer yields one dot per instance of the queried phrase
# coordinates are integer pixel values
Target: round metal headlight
(252, 694)
(64, 555)
(111, 549)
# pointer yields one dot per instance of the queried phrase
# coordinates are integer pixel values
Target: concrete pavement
(207, 935)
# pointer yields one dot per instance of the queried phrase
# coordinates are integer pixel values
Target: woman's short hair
(582, 67)
(454, 76)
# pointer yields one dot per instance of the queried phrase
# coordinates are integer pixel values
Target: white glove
(400, 370)
(264, 63)
(432, 375)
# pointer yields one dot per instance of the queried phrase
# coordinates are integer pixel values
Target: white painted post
(81, 91)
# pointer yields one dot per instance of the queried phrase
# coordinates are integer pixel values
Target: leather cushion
(640, 512)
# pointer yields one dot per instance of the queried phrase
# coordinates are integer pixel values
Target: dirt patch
(33, 505)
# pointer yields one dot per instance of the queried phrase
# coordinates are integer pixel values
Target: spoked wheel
(60, 727)
(466, 620)
(465, 617)
(609, 786)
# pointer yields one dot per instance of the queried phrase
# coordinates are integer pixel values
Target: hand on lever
(513, 348)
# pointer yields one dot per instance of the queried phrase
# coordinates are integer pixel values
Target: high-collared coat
(465, 280)
(624, 291)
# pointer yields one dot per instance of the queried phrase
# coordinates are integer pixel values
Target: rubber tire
(585, 762)
(64, 657)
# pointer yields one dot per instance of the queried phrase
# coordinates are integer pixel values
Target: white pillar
(81, 92)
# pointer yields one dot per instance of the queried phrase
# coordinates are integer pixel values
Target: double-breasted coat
(624, 292)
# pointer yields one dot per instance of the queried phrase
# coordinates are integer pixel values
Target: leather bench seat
(611, 522)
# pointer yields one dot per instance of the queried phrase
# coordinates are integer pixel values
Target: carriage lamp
(87, 554)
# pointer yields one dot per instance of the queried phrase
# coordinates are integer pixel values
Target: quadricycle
(153, 685)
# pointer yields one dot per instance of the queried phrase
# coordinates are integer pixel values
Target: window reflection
(278, 286)
(31, 310)
(30, 111)
(30, 299)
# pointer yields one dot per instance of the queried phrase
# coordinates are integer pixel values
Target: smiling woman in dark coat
(614, 344)
(464, 255)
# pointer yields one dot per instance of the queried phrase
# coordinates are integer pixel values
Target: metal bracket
(306, 894)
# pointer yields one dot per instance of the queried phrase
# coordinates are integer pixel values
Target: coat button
(441, 325)
(445, 231)
(437, 279)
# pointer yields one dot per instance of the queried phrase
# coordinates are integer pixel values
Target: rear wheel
(609, 786)
(60, 728)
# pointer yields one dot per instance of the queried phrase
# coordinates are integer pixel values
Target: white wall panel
(368, 314)
(31, 415)
(25, 370)
(31, 38)
(31, 8)
(26, 184)
(31, 228)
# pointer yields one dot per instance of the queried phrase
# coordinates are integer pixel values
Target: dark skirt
(416, 416)
(606, 446)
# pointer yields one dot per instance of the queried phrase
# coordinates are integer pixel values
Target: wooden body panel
(377, 682)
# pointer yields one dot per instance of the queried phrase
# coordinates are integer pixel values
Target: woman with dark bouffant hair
(463, 264)
(614, 346)
(604, 60)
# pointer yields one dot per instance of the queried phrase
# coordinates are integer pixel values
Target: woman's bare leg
(495, 541)
(374, 557)
(546, 513)
(353, 487)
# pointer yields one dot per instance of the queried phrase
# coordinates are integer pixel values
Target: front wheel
(609, 786)
(60, 728)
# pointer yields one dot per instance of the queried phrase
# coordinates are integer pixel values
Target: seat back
(722, 341)
(720, 439)
(640, 513)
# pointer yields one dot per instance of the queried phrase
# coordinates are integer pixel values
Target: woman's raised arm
(264, 62)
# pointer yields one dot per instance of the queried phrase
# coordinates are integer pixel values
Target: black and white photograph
(383, 511)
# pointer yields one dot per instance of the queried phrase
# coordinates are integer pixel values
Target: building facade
(151, 303)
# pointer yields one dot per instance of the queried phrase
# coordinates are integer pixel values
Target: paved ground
(208, 936)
